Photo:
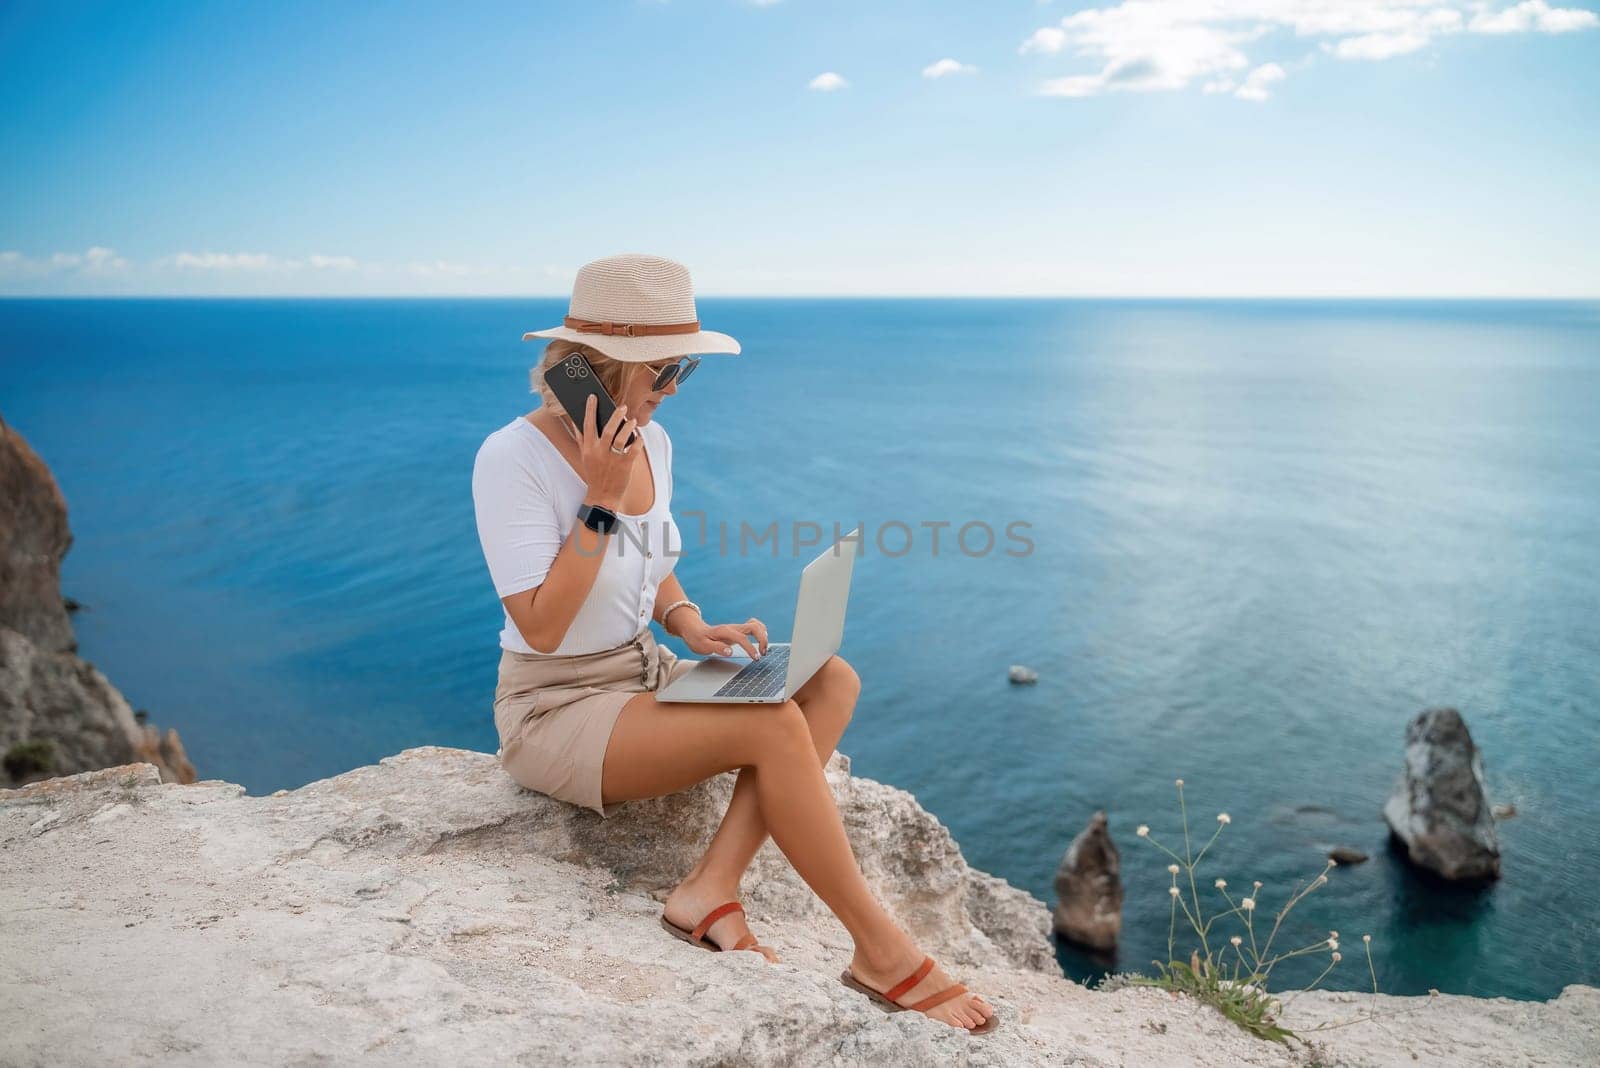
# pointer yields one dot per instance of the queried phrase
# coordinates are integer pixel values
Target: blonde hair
(613, 374)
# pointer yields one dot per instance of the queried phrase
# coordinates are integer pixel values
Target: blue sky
(1208, 147)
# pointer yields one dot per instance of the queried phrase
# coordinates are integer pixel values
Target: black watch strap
(598, 519)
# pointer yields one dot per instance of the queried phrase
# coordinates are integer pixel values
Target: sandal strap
(747, 942)
(894, 992)
(951, 991)
(713, 916)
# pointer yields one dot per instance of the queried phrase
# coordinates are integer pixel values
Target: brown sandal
(697, 937)
(886, 998)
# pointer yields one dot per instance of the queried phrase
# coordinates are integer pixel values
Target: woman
(577, 531)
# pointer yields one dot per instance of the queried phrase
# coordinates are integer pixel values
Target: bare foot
(691, 899)
(966, 1010)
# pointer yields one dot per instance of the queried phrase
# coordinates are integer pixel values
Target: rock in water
(1346, 855)
(1438, 808)
(1020, 674)
(1089, 888)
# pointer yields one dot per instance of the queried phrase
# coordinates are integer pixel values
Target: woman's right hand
(604, 471)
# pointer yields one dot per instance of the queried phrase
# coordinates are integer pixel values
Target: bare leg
(826, 700)
(659, 749)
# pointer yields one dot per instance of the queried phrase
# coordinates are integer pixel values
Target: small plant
(1237, 987)
(30, 758)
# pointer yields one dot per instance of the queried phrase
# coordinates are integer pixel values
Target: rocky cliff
(58, 714)
(427, 911)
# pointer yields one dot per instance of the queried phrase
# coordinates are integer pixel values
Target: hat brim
(645, 349)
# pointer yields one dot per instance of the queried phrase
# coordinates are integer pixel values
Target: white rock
(111, 812)
(426, 911)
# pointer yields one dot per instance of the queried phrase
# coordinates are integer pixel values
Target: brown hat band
(584, 326)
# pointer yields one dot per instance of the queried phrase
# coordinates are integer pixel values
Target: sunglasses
(678, 370)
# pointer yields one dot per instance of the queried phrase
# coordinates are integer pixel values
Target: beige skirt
(554, 713)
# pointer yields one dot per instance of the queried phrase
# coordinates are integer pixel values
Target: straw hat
(637, 309)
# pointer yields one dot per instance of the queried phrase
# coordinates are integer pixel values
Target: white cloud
(1046, 39)
(1534, 15)
(1145, 45)
(1379, 45)
(827, 82)
(439, 268)
(228, 261)
(1153, 45)
(1256, 83)
(257, 261)
(103, 259)
(100, 270)
(945, 67)
(96, 260)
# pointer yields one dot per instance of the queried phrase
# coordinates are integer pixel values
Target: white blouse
(526, 496)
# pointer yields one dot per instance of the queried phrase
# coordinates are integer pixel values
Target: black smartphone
(573, 381)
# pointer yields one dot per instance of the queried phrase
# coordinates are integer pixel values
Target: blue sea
(1260, 537)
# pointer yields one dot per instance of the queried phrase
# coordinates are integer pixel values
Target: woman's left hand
(718, 638)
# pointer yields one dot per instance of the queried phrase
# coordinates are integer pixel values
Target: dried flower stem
(1242, 996)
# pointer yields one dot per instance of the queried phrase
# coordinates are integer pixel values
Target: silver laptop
(818, 629)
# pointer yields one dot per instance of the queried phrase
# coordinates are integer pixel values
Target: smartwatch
(598, 519)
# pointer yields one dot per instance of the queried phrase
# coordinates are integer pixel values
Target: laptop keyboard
(760, 678)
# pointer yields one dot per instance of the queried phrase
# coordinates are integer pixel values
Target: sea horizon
(1114, 298)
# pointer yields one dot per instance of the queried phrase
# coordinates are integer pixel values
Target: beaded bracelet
(674, 605)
